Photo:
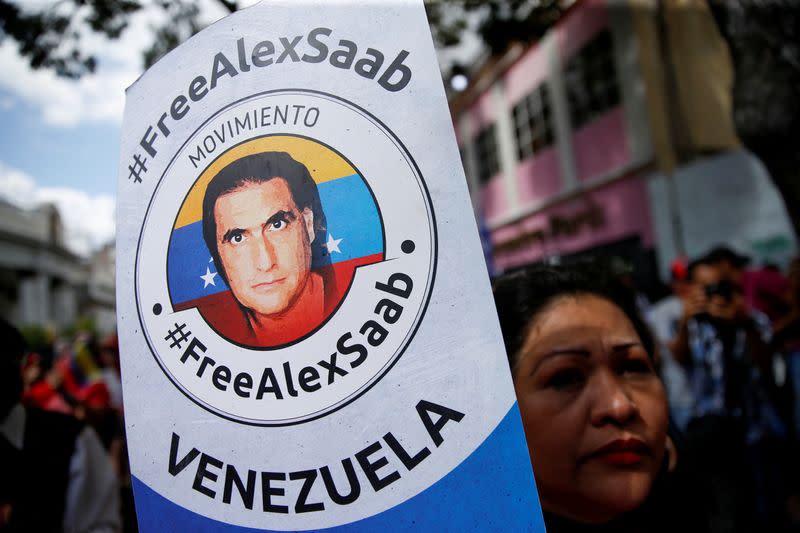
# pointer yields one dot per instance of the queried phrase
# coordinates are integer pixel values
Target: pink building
(586, 141)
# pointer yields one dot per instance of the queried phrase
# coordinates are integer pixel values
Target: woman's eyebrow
(624, 346)
(560, 352)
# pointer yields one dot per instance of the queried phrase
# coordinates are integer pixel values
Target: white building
(42, 282)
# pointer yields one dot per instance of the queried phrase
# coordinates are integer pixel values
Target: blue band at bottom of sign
(491, 490)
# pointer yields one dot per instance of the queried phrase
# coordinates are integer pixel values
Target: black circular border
(422, 311)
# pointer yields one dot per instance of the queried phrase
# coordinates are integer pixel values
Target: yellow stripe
(323, 163)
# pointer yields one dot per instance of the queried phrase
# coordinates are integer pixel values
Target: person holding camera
(724, 347)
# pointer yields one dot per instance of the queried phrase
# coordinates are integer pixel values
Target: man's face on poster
(264, 243)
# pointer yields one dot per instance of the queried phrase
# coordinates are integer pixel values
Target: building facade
(613, 135)
(43, 283)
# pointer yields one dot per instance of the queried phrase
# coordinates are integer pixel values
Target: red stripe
(223, 313)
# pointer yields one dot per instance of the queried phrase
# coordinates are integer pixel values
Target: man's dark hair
(260, 168)
(725, 254)
(521, 296)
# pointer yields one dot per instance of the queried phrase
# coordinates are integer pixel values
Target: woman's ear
(672, 454)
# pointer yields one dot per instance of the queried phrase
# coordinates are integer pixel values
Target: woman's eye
(635, 366)
(565, 379)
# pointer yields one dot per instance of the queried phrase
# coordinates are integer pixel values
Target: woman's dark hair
(522, 295)
(259, 168)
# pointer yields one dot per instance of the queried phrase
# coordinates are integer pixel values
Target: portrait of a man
(261, 215)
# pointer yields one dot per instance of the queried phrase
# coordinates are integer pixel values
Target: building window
(591, 80)
(533, 123)
(488, 160)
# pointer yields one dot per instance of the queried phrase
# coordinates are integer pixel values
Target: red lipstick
(622, 452)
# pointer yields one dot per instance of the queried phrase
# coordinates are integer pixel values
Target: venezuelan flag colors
(354, 235)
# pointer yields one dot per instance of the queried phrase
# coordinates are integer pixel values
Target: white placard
(307, 331)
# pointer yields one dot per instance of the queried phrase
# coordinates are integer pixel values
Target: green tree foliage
(51, 37)
(183, 23)
(499, 22)
(82, 324)
(37, 337)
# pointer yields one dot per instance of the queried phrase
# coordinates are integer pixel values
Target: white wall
(728, 198)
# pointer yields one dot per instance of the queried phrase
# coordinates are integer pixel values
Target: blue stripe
(491, 490)
(352, 217)
(188, 259)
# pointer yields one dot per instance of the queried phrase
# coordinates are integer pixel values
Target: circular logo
(286, 258)
(267, 219)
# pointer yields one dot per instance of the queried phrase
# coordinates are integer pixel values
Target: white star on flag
(208, 278)
(333, 244)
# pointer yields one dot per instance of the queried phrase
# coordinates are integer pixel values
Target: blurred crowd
(62, 436)
(683, 414)
(729, 343)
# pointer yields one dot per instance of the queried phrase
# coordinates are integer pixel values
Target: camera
(724, 289)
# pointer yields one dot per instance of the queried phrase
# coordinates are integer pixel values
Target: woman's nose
(612, 402)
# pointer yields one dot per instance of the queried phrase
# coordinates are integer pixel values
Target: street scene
(582, 215)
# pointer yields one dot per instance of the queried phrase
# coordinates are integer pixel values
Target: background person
(593, 407)
(55, 473)
(664, 319)
(730, 437)
(786, 346)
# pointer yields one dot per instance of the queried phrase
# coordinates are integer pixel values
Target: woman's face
(594, 410)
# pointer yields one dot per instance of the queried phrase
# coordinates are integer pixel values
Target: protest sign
(307, 331)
